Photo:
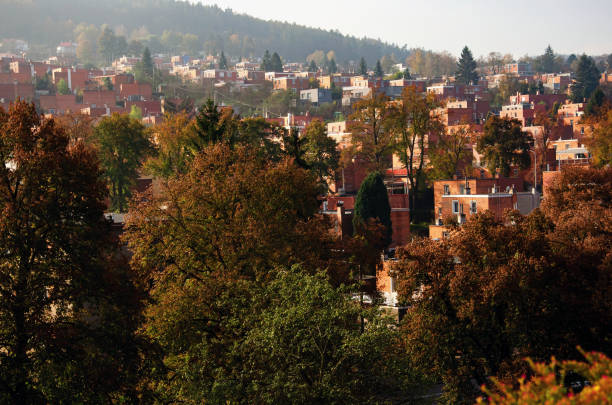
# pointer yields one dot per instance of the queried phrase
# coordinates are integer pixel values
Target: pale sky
(519, 27)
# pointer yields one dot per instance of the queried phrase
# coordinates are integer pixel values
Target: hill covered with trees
(212, 29)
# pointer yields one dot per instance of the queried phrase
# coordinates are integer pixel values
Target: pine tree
(587, 79)
(222, 62)
(378, 71)
(147, 63)
(333, 68)
(313, 66)
(276, 64)
(363, 67)
(466, 68)
(406, 74)
(547, 61)
(266, 62)
(373, 202)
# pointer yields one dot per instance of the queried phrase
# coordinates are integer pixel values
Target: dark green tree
(372, 202)
(466, 68)
(276, 64)
(222, 62)
(294, 145)
(504, 144)
(570, 59)
(363, 67)
(547, 61)
(596, 101)
(586, 79)
(266, 63)
(313, 66)
(211, 127)
(378, 70)
(122, 144)
(406, 74)
(108, 83)
(147, 63)
(332, 67)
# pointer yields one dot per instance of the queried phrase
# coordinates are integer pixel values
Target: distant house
(316, 96)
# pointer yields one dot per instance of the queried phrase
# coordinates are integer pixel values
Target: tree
(321, 152)
(372, 202)
(600, 142)
(560, 382)
(609, 61)
(211, 127)
(451, 153)
(222, 62)
(363, 67)
(69, 307)
(378, 70)
(206, 245)
(586, 79)
(147, 63)
(406, 74)
(371, 141)
(548, 61)
(106, 44)
(266, 64)
(466, 68)
(478, 305)
(135, 113)
(108, 83)
(294, 147)
(173, 136)
(62, 87)
(313, 66)
(308, 348)
(332, 67)
(122, 144)
(412, 122)
(503, 144)
(276, 64)
(595, 104)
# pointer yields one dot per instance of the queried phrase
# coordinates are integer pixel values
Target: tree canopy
(504, 144)
(466, 68)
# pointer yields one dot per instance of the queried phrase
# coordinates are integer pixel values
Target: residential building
(316, 96)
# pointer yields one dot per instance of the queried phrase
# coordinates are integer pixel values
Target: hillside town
(544, 105)
(200, 227)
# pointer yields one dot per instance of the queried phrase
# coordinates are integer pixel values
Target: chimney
(341, 212)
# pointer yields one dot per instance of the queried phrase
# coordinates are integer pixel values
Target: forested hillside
(47, 22)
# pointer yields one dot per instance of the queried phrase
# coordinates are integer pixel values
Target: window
(446, 189)
(455, 207)
(462, 189)
(473, 208)
(440, 212)
(582, 131)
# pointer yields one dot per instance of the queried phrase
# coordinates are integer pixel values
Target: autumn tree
(371, 140)
(217, 233)
(412, 121)
(569, 382)
(600, 142)
(452, 153)
(504, 144)
(495, 292)
(122, 145)
(466, 68)
(69, 306)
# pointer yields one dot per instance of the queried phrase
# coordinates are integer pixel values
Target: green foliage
(600, 142)
(363, 67)
(504, 144)
(276, 65)
(135, 113)
(222, 61)
(331, 66)
(62, 87)
(321, 152)
(122, 144)
(111, 46)
(373, 202)
(450, 154)
(210, 127)
(266, 62)
(547, 62)
(108, 83)
(308, 347)
(312, 67)
(466, 68)
(595, 104)
(586, 79)
(378, 70)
